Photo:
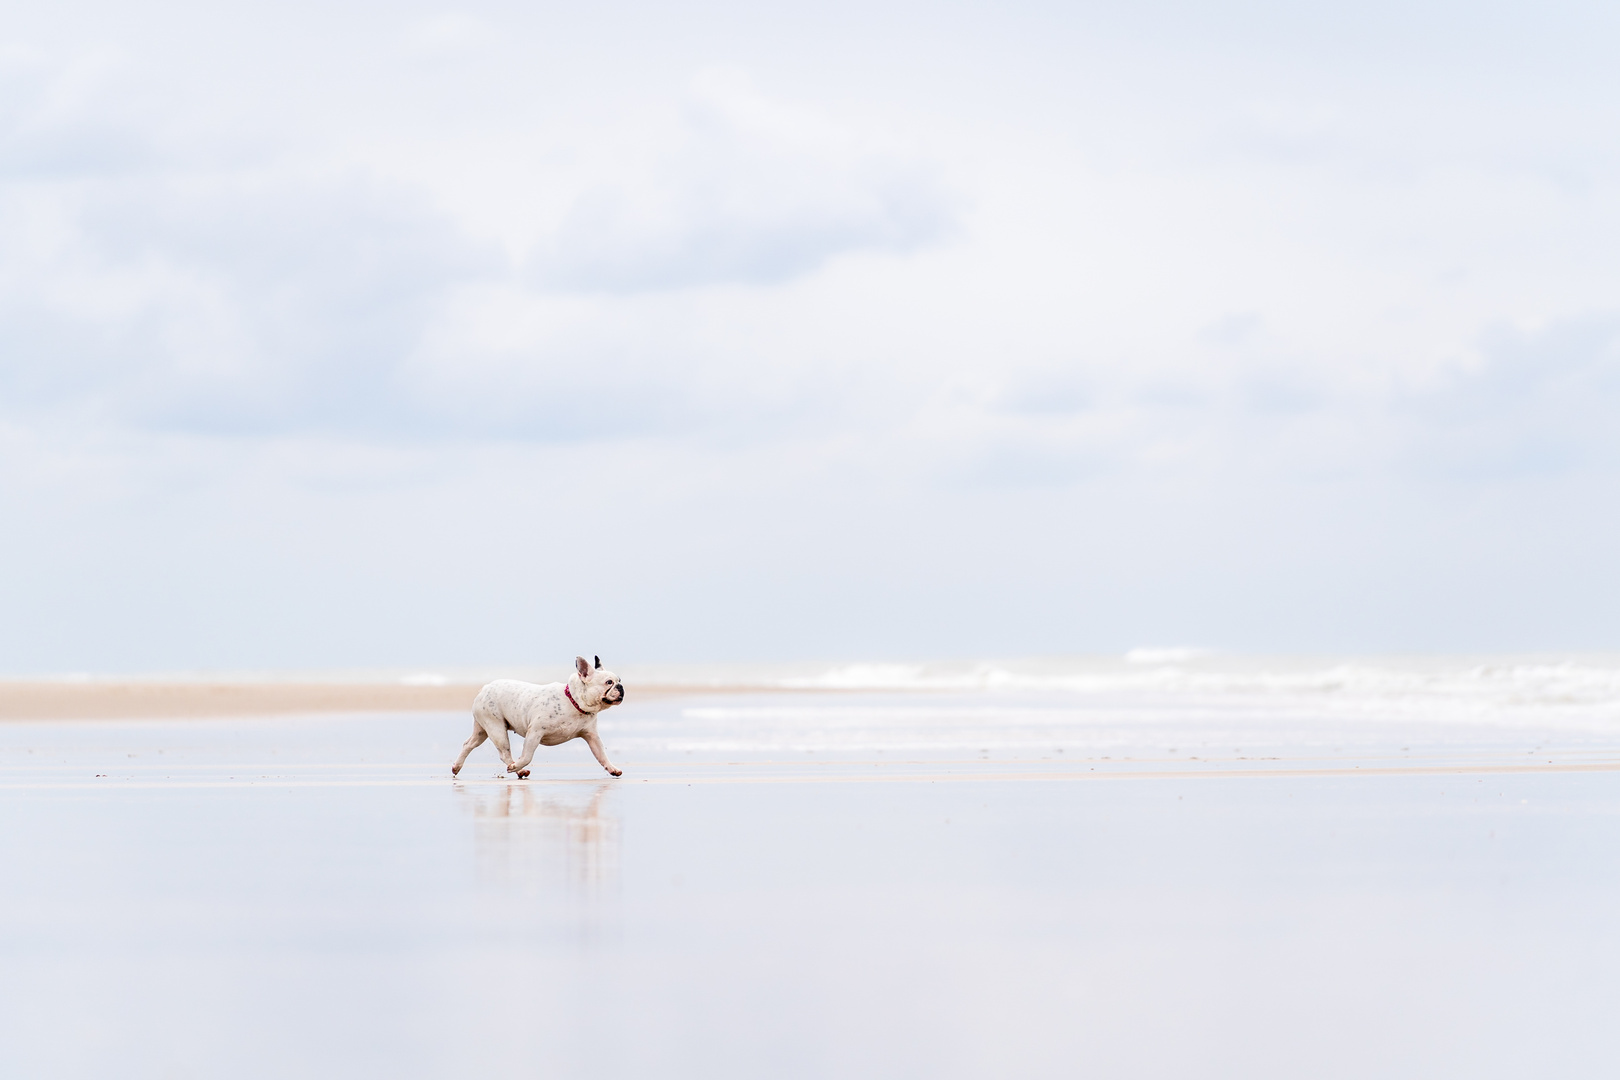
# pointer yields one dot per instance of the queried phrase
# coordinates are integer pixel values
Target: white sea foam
(425, 678)
(1179, 655)
(1197, 701)
(1494, 681)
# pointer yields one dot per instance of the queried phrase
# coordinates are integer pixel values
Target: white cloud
(208, 292)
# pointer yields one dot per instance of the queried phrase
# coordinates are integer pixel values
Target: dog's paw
(455, 770)
(615, 772)
(523, 774)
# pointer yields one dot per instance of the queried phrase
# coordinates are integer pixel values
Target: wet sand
(804, 886)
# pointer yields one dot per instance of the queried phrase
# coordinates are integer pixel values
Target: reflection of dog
(544, 715)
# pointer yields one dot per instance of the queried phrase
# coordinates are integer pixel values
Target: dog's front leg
(531, 743)
(601, 755)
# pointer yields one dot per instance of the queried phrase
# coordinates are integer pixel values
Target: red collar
(569, 694)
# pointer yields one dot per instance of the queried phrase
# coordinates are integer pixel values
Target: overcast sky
(385, 334)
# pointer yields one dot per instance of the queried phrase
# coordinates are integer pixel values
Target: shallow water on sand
(940, 884)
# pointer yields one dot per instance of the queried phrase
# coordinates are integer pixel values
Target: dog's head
(597, 687)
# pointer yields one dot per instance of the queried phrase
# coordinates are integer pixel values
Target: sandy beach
(1152, 878)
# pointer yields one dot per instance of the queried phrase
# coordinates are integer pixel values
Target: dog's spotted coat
(543, 714)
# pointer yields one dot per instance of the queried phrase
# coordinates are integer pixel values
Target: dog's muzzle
(616, 695)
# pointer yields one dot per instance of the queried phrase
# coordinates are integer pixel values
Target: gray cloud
(606, 243)
(741, 196)
(245, 306)
(1542, 401)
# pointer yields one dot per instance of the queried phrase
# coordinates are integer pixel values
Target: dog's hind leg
(474, 741)
(503, 746)
(492, 725)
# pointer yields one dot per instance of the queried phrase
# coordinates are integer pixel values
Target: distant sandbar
(107, 700)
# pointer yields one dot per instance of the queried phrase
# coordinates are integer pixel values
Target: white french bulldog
(545, 715)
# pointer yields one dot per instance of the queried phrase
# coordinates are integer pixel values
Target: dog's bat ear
(598, 661)
(582, 667)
